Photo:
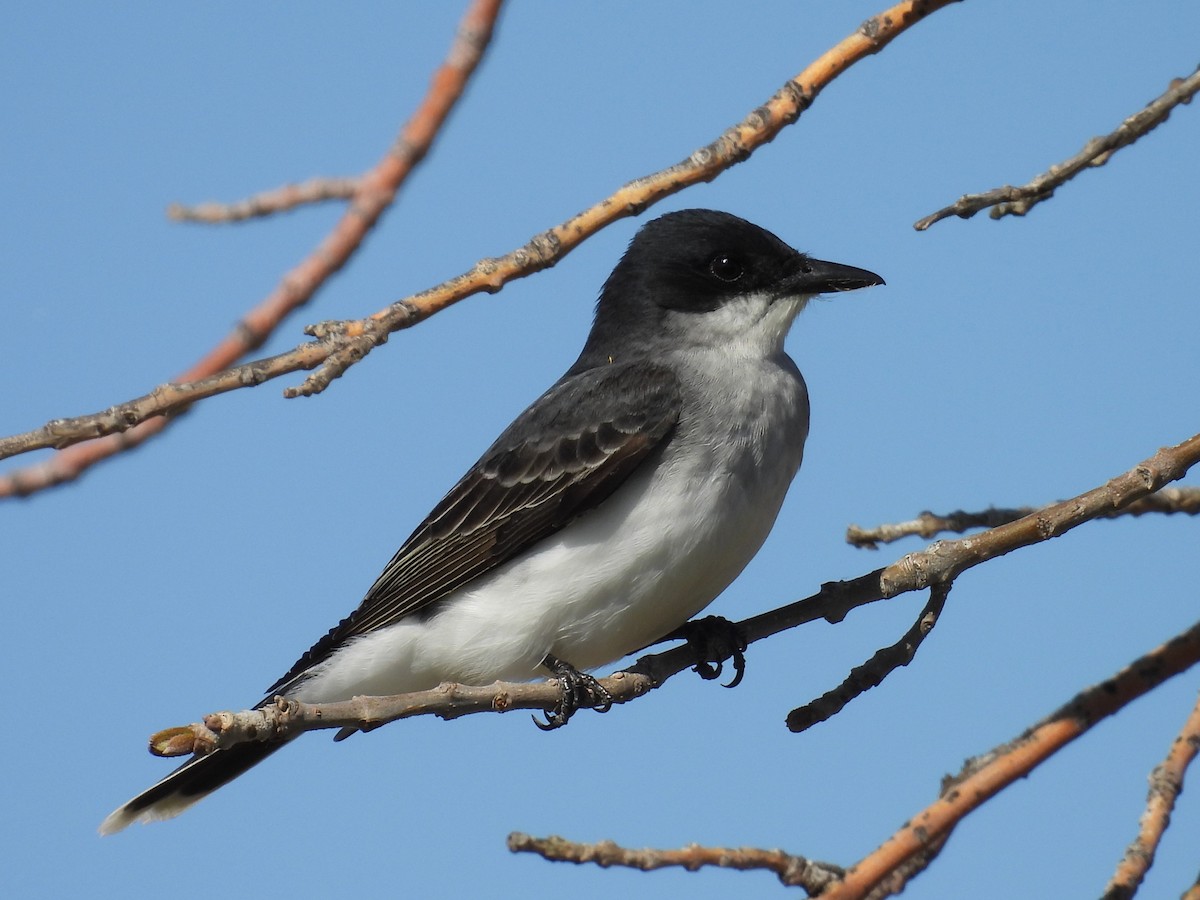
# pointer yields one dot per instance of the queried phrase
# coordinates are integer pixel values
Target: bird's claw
(715, 639)
(579, 691)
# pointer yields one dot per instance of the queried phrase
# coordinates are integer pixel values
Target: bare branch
(793, 871)
(1166, 783)
(871, 673)
(356, 338)
(1017, 201)
(340, 344)
(127, 425)
(984, 777)
(315, 190)
(888, 869)
(944, 561)
(937, 564)
(1184, 500)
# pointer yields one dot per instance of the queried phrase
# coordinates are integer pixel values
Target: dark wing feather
(561, 457)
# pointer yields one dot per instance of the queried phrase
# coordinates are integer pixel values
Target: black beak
(815, 276)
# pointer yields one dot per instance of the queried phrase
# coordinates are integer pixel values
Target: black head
(696, 261)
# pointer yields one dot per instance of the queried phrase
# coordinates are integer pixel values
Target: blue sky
(1005, 363)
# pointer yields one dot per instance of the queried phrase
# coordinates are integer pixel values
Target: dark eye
(726, 267)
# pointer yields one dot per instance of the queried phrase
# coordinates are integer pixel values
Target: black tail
(188, 784)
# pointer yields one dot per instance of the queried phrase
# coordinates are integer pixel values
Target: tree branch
(888, 869)
(793, 871)
(937, 565)
(1166, 783)
(871, 673)
(1168, 501)
(983, 777)
(341, 344)
(1017, 201)
(127, 425)
(267, 203)
(356, 338)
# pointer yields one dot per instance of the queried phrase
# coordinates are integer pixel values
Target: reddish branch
(340, 344)
(1166, 783)
(1017, 201)
(354, 339)
(793, 871)
(984, 777)
(129, 424)
(1184, 500)
(315, 190)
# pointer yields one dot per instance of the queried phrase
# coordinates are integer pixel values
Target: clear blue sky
(1006, 362)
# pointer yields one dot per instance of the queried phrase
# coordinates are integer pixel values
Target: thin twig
(793, 871)
(871, 673)
(1166, 783)
(127, 425)
(340, 344)
(1017, 201)
(267, 203)
(1184, 500)
(984, 777)
(938, 564)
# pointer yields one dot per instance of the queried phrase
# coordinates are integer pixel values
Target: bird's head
(700, 277)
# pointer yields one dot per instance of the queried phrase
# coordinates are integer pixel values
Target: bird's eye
(726, 267)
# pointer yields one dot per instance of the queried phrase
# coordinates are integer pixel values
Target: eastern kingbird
(616, 507)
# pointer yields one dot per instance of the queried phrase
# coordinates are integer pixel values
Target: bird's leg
(579, 691)
(714, 639)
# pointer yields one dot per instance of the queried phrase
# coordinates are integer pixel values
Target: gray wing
(560, 458)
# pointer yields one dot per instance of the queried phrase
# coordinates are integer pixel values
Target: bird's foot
(579, 691)
(714, 639)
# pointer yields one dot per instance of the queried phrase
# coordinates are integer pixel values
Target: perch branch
(1166, 783)
(985, 776)
(1168, 501)
(127, 425)
(793, 871)
(267, 203)
(340, 344)
(938, 564)
(1017, 201)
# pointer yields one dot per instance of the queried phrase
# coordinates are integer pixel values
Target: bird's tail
(190, 783)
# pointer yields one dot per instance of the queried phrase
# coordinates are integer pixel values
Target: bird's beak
(816, 276)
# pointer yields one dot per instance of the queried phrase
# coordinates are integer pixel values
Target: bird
(611, 511)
